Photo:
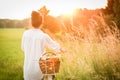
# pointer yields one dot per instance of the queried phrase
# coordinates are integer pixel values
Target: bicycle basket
(49, 63)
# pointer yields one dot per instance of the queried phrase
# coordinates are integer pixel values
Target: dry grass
(94, 57)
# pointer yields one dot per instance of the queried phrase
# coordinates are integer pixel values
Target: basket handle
(48, 53)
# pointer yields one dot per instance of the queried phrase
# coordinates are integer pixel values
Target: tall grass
(96, 56)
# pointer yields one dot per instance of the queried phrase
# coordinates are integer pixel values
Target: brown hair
(36, 19)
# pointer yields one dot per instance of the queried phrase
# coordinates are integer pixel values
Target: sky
(20, 9)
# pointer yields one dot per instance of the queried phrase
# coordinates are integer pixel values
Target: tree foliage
(112, 11)
(8, 23)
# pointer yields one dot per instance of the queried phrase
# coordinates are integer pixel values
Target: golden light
(62, 10)
(67, 7)
(20, 9)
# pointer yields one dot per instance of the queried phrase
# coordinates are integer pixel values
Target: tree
(116, 9)
(113, 11)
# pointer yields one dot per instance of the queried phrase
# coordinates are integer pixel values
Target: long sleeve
(52, 44)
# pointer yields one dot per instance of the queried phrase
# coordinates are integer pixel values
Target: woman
(34, 43)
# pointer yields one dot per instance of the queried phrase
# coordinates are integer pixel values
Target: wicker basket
(49, 63)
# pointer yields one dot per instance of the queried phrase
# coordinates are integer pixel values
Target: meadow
(11, 56)
(82, 60)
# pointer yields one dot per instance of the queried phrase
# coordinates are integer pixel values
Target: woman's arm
(50, 43)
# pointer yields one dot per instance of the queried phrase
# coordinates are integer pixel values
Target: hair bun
(36, 19)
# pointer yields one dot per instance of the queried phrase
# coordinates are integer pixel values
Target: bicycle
(49, 64)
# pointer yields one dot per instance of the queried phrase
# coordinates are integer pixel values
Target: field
(82, 60)
(11, 56)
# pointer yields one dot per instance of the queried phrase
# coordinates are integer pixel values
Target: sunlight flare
(67, 7)
(20, 9)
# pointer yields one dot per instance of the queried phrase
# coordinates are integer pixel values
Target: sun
(67, 7)
(63, 10)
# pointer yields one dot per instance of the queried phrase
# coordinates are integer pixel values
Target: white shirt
(34, 43)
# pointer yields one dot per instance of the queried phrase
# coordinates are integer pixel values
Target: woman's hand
(62, 50)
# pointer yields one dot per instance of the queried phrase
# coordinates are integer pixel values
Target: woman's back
(33, 47)
(34, 43)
